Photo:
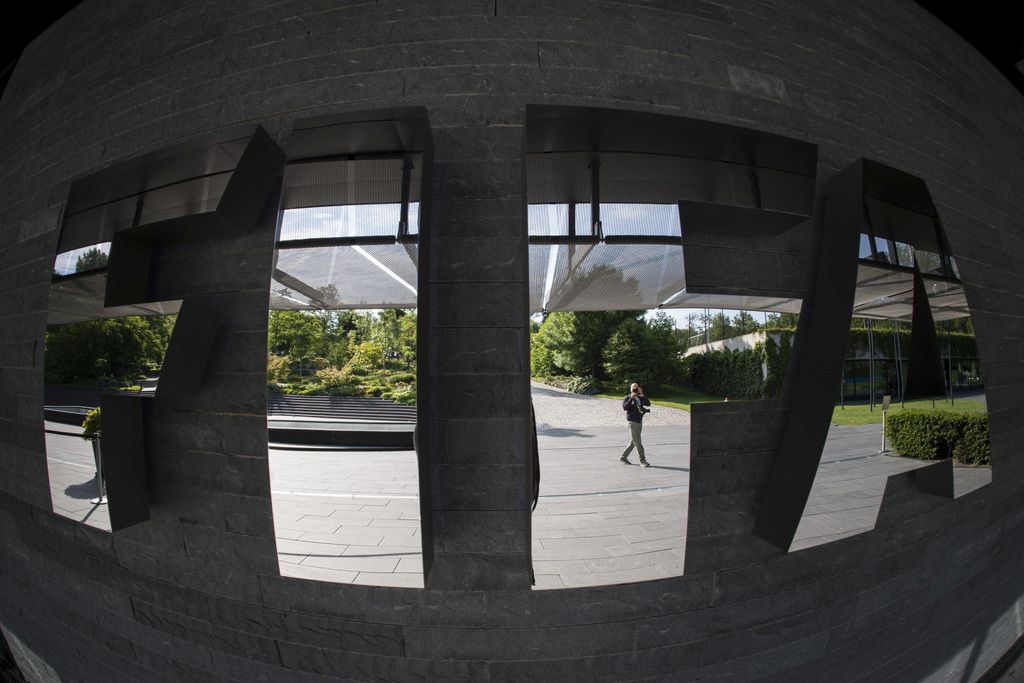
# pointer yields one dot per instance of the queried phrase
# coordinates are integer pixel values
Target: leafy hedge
(935, 435)
(736, 374)
(961, 344)
(739, 374)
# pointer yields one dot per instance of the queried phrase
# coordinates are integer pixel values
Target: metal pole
(903, 383)
(842, 388)
(896, 356)
(871, 365)
(403, 214)
(97, 451)
(883, 432)
(886, 402)
(949, 359)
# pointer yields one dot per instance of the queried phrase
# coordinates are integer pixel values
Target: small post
(842, 388)
(97, 454)
(949, 360)
(886, 400)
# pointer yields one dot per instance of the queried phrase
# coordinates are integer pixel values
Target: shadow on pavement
(83, 491)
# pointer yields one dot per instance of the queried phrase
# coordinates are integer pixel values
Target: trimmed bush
(584, 385)
(936, 435)
(736, 374)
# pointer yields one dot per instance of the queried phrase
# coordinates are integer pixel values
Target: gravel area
(559, 409)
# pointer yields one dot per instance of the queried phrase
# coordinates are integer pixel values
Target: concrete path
(353, 516)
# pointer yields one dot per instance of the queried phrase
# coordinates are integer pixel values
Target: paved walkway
(353, 516)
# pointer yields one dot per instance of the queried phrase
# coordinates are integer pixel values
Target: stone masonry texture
(932, 593)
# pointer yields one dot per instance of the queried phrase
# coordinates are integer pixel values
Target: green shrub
(403, 393)
(332, 377)
(973, 447)
(736, 374)
(776, 358)
(278, 368)
(936, 435)
(584, 385)
(344, 390)
(91, 426)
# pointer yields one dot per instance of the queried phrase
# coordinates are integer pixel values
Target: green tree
(572, 342)
(297, 334)
(744, 323)
(121, 348)
(90, 260)
(720, 327)
(643, 352)
(783, 321)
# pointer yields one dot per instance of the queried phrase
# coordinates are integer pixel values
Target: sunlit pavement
(352, 516)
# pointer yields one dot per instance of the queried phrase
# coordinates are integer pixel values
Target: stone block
(479, 571)
(481, 487)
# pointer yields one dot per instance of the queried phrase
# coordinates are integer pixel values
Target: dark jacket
(635, 407)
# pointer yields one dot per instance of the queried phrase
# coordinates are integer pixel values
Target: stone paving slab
(353, 516)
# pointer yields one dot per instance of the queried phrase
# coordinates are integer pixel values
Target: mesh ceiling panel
(355, 220)
(636, 220)
(542, 257)
(368, 276)
(884, 293)
(947, 299)
(735, 302)
(597, 277)
(549, 220)
(878, 286)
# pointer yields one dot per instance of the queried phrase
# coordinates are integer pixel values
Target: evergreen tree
(91, 260)
(571, 343)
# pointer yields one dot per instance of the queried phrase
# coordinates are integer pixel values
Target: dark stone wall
(935, 588)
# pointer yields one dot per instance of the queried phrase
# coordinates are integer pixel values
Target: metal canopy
(80, 297)
(659, 178)
(178, 181)
(718, 179)
(638, 178)
(587, 129)
(402, 130)
(344, 182)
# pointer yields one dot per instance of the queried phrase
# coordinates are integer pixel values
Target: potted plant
(91, 431)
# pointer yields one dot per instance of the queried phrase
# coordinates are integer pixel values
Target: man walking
(635, 406)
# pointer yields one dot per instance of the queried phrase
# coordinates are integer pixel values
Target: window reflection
(81, 260)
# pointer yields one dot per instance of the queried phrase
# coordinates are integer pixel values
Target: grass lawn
(859, 414)
(672, 397)
(863, 415)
